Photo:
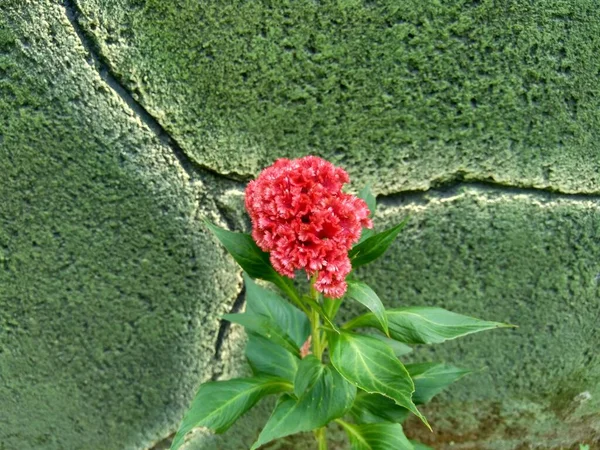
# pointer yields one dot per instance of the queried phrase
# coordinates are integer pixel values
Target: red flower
(301, 216)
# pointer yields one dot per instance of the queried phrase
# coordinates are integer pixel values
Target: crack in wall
(162, 444)
(224, 327)
(450, 187)
(193, 167)
(102, 66)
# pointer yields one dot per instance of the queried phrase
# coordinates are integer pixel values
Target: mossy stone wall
(124, 122)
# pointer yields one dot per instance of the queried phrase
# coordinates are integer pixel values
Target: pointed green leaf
(418, 446)
(250, 257)
(330, 397)
(429, 379)
(374, 408)
(425, 325)
(309, 371)
(265, 327)
(365, 234)
(267, 358)
(372, 366)
(331, 307)
(246, 253)
(432, 378)
(369, 199)
(377, 436)
(219, 404)
(264, 302)
(399, 348)
(375, 246)
(362, 293)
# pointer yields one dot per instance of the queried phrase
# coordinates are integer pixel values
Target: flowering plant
(323, 371)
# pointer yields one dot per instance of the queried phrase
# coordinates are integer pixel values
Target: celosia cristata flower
(301, 216)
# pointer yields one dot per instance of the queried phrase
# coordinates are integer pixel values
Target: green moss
(403, 94)
(110, 291)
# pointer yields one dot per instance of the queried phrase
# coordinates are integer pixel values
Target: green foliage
(377, 436)
(419, 446)
(364, 380)
(329, 397)
(247, 254)
(369, 199)
(374, 408)
(399, 348)
(425, 325)
(372, 366)
(374, 246)
(267, 358)
(321, 311)
(266, 328)
(309, 371)
(266, 303)
(431, 378)
(218, 405)
(363, 294)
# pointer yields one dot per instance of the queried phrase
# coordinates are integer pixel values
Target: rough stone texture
(112, 150)
(403, 93)
(110, 291)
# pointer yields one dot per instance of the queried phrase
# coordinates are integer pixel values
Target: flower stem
(321, 438)
(319, 342)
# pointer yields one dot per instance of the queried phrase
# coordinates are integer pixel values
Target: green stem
(349, 429)
(321, 438)
(316, 335)
(319, 342)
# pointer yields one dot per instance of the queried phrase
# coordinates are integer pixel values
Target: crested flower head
(301, 216)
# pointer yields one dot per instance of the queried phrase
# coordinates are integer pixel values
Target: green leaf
(365, 234)
(362, 293)
(267, 358)
(369, 199)
(374, 408)
(331, 307)
(372, 366)
(429, 379)
(330, 397)
(432, 378)
(425, 325)
(377, 436)
(246, 253)
(317, 307)
(309, 371)
(399, 348)
(219, 404)
(265, 327)
(264, 302)
(418, 446)
(374, 246)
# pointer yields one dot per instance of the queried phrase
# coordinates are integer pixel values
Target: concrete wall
(123, 122)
